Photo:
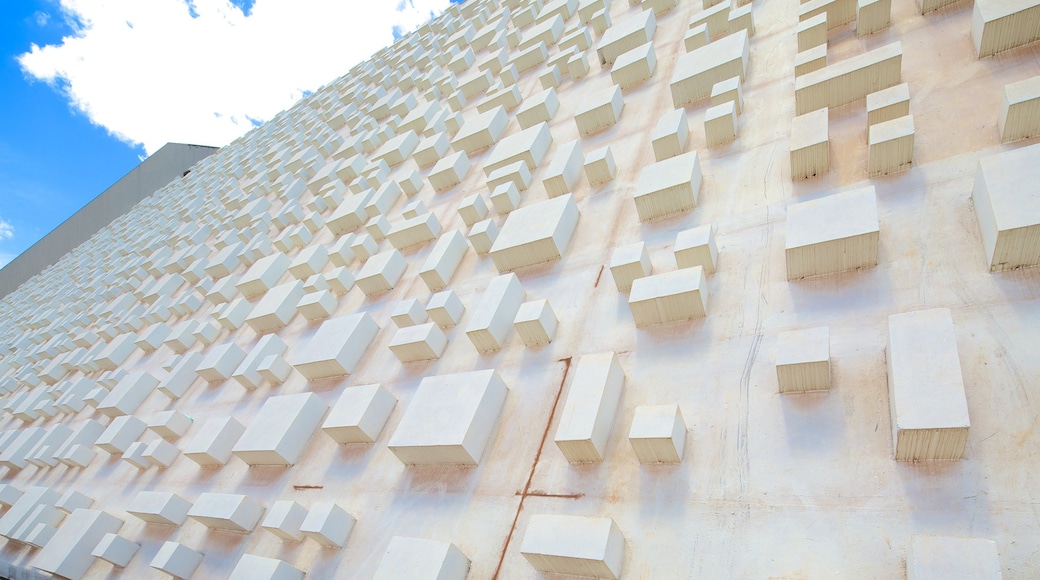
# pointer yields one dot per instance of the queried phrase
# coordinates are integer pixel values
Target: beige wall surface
(770, 485)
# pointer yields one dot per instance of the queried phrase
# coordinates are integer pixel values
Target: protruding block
(941, 557)
(213, 442)
(253, 567)
(328, 524)
(832, 234)
(443, 260)
(536, 323)
(277, 308)
(226, 511)
(317, 305)
(578, 545)
(161, 453)
(539, 108)
(449, 171)
(284, 519)
(635, 66)
(891, 146)
(359, 414)
(810, 60)
(997, 26)
(628, 263)
(445, 308)
(67, 554)
(925, 388)
(115, 549)
(535, 234)
(450, 419)
(696, 72)
(421, 342)
(481, 131)
(408, 313)
(669, 297)
(473, 209)
(720, 124)
(670, 134)
(170, 424)
(1019, 111)
(625, 35)
(696, 247)
(588, 413)
(599, 111)
(888, 104)
(381, 272)
(849, 80)
(220, 362)
(159, 507)
(336, 347)
(565, 169)
(263, 275)
(494, 315)
(421, 559)
(177, 560)
(529, 146)
(668, 187)
(810, 144)
(482, 236)
(134, 455)
(872, 16)
(120, 433)
(281, 430)
(731, 89)
(1006, 208)
(600, 167)
(658, 434)
(128, 394)
(411, 231)
(803, 360)
(505, 197)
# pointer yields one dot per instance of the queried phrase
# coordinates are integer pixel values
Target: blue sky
(73, 121)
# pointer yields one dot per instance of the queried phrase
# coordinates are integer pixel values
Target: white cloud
(196, 72)
(6, 230)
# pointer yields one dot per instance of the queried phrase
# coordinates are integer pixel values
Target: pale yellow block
(891, 146)
(810, 60)
(634, 66)
(669, 297)
(658, 434)
(999, 25)
(810, 144)
(872, 16)
(849, 80)
(888, 104)
(832, 234)
(812, 32)
(1020, 110)
(720, 124)
(803, 360)
(599, 111)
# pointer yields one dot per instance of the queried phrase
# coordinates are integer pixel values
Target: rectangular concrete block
(226, 511)
(443, 260)
(68, 553)
(529, 146)
(177, 560)
(281, 430)
(128, 395)
(170, 424)
(600, 110)
(450, 419)
(850, 80)
(276, 309)
(625, 35)
(449, 171)
(119, 434)
(696, 247)
(658, 434)
(1019, 110)
(564, 171)
(359, 414)
(891, 146)
(253, 567)
(588, 412)
(159, 507)
(670, 134)
(411, 231)
(928, 405)
(803, 360)
(600, 166)
(669, 297)
(564, 544)
(1006, 209)
(832, 234)
(536, 323)
(473, 209)
(812, 31)
(810, 144)
(445, 308)
(421, 342)
(220, 362)
(629, 262)
(283, 520)
(263, 275)
(213, 441)
(481, 131)
(720, 124)
(539, 108)
(997, 26)
(872, 16)
(668, 187)
(422, 559)
(697, 72)
(181, 375)
(810, 60)
(115, 549)
(535, 234)
(888, 104)
(328, 524)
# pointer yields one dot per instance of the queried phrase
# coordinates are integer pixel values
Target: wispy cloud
(201, 72)
(6, 230)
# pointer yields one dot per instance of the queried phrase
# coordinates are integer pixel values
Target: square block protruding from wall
(214, 440)
(253, 567)
(810, 144)
(281, 430)
(359, 414)
(588, 413)
(536, 323)
(940, 557)
(494, 314)
(599, 111)
(696, 247)
(159, 507)
(1020, 110)
(658, 434)
(891, 146)
(535, 234)
(450, 419)
(670, 134)
(925, 387)
(284, 519)
(422, 559)
(669, 297)
(628, 263)
(226, 511)
(832, 234)
(803, 360)
(177, 560)
(1007, 208)
(445, 308)
(419, 342)
(668, 187)
(578, 545)
(336, 347)
(328, 524)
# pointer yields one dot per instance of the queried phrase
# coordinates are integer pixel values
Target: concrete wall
(162, 167)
